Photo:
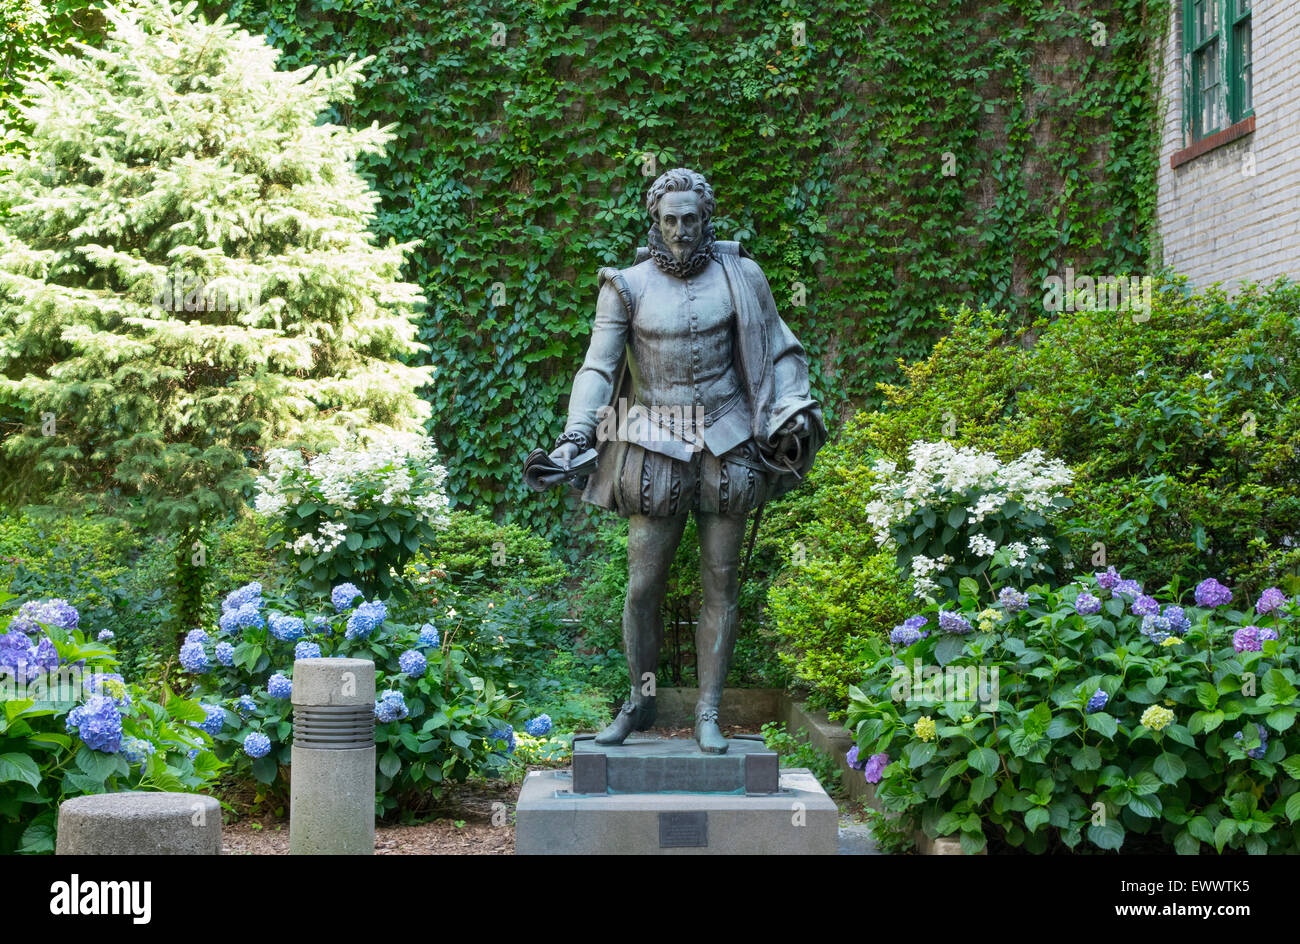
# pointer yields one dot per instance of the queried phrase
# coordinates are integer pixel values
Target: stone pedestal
(139, 823)
(655, 803)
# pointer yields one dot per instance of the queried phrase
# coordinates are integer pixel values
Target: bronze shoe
(707, 733)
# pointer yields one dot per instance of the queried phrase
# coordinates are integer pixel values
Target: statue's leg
(651, 545)
(721, 538)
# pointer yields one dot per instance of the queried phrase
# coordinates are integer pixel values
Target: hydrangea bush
(71, 726)
(960, 512)
(437, 716)
(356, 513)
(1118, 714)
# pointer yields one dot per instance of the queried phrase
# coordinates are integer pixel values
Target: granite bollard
(332, 777)
(139, 823)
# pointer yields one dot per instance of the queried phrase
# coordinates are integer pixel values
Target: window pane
(1205, 18)
(1242, 35)
(1209, 79)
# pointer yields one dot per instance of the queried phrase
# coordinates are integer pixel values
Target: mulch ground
(460, 825)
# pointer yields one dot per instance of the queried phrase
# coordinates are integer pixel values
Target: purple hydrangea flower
(278, 686)
(915, 622)
(1256, 752)
(875, 766)
(106, 635)
(853, 759)
(903, 636)
(1270, 600)
(1012, 600)
(954, 623)
(97, 723)
(1097, 701)
(413, 663)
(1266, 634)
(1129, 588)
(35, 613)
(1108, 580)
(539, 726)
(1247, 639)
(1210, 593)
(1145, 606)
(1085, 604)
(343, 595)
(257, 745)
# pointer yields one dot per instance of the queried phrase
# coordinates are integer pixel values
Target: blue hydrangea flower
(506, 734)
(1012, 600)
(1145, 606)
(35, 613)
(249, 616)
(257, 745)
(953, 623)
(97, 723)
(343, 595)
(1085, 604)
(193, 658)
(365, 619)
(106, 635)
(1210, 593)
(225, 653)
(306, 650)
(413, 663)
(1097, 701)
(391, 706)
(1178, 621)
(1270, 600)
(428, 637)
(215, 720)
(278, 686)
(1156, 628)
(245, 705)
(249, 593)
(905, 636)
(137, 750)
(539, 726)
(196, 635)
(1256, 752)
(192, 753)
(320, 624)
(229, 622)
(286, 628)
(916, 622)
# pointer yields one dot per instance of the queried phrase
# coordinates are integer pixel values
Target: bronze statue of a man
(695, 395)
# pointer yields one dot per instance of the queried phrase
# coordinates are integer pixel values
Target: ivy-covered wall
(880, 158)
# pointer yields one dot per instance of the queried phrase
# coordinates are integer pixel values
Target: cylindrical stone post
(332, 778)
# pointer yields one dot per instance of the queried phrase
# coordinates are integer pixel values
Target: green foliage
(1016, 756)
(796, 750)
(42, 763)
(115, 573)
(525, 133)
(473, 551)
(186, 273)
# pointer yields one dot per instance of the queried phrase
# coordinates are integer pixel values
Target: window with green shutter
(1218, 65)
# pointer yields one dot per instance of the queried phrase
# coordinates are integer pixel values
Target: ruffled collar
(667, 262)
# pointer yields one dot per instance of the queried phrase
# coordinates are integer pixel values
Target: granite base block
(800, 819)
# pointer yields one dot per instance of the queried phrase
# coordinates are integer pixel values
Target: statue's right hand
(564, 454)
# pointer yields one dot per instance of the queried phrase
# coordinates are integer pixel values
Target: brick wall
(1216, 223)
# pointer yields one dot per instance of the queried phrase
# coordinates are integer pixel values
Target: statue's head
(680, 204)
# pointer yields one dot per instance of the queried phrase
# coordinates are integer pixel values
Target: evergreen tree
(187, 276)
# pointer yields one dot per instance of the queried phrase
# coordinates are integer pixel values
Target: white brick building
(1229, 179)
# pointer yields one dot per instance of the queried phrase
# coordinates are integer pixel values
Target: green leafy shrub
(1088, 719)
(356, 513)
(472, 550)
(796, 750)
(50, 671)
